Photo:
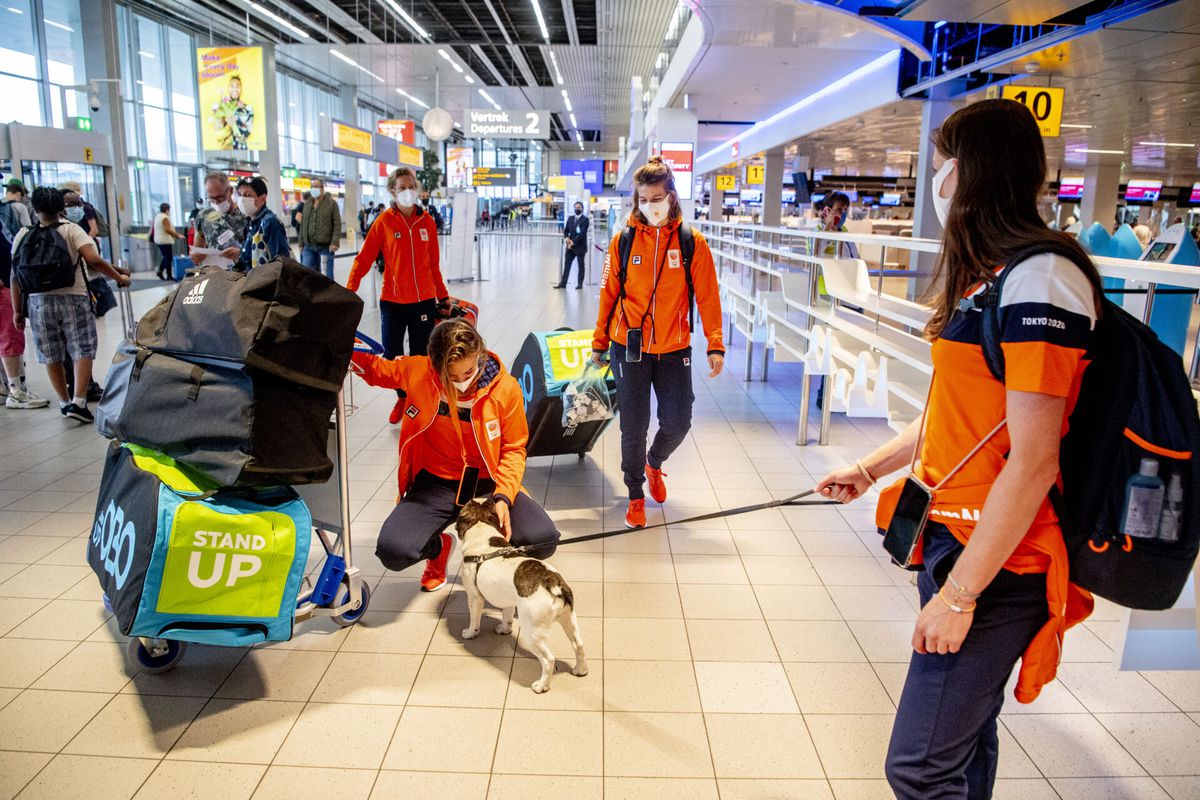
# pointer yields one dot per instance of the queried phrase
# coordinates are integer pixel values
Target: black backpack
(42, 261)
(687, 248)
(9, 227)
(1135, 403)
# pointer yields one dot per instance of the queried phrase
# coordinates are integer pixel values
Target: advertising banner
(611, 168)
(569, 354)
(678, 156)
(459, 162)
(402, 130)
(230, 92)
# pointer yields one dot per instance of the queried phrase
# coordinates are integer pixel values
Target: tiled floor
(753, 657)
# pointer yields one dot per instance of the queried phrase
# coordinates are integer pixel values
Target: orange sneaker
(397, 412)
(635, 517)
(434, 576)
(658, 487)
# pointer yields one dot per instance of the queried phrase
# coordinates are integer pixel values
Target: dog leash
(794, 500)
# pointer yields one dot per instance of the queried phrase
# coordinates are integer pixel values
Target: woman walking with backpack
(656, 268)
(994, 582)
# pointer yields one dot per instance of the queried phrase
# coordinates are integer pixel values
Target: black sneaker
(78, 414)
(95, 392)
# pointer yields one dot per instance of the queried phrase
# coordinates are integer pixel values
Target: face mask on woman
(75, 213)
(462, 386)
(656, 213)
(406, 198)
(941, 205)
(247, 205)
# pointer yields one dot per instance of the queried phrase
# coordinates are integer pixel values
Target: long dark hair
(993, 214)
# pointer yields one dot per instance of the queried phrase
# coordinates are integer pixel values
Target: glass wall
(161, 115)
(303, 107)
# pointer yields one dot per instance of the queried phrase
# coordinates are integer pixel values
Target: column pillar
(925, 222)
(716, 201)
(348, 95)
(101, 58)
(269, 163)
(1101, 183)
(773, 188)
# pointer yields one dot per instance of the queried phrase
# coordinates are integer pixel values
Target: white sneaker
(21, 397)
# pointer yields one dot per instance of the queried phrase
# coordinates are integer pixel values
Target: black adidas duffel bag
(239, 426)
(281, 318)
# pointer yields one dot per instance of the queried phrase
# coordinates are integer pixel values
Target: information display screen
(889, 199)
(1070, 189)
(789, 195)
(730, 200)
(1142, 191)
(1161, 251)
(752, 197)
(1195, 198)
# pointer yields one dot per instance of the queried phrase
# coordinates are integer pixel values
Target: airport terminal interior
(754, 655)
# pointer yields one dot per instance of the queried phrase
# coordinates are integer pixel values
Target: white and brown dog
(531, 587)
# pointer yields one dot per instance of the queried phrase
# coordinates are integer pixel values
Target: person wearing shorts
(62, 319)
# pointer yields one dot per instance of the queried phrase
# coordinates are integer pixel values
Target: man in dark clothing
(320, 229)
(431, 209)
(575, 231)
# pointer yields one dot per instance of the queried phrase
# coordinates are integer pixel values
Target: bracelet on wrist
(957, 609)
(960, 589)
(863, 471)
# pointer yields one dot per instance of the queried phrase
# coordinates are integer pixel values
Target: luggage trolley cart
(338, 591)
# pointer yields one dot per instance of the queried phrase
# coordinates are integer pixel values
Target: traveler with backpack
(13, 217)
(463, 436)
(413, 288)
(48, 280)
(994, 582)
(656, 270)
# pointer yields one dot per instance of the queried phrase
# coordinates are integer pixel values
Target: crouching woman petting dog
(462, 436)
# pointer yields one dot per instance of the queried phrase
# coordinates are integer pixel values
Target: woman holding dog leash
(994, 585)
(462, 436)
(413, 287)
(654, 270)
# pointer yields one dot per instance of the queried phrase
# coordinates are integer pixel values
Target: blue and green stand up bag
(180, 558)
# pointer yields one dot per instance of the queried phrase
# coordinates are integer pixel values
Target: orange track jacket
(656, 292)
(411, 271)
(497, 418)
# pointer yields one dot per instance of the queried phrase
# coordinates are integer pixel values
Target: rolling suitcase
(179, 267)
(545, 365)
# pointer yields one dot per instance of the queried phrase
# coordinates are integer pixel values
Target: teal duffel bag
(179, 558)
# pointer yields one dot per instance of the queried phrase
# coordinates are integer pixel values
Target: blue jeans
(311, 256)
(669, 375)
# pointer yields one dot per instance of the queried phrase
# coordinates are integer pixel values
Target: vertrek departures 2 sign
(481, 124)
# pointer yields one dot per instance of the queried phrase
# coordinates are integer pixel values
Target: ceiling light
(446, 56)
(1167, 144)
(405, 94)
(574, 124)
(578, 136)
(412, 23)
(1076, 126)
(145, 54)
(557, 75)
(469, 79)
(1100, 152)
(60, 26)
(488, 97)
(278, 20)
(567, 100)
(15, 10)
(537, 9)
(339, 54)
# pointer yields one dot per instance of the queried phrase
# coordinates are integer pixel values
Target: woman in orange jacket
(463, 436)
(645, 323)
(994, 582)
(413, 287)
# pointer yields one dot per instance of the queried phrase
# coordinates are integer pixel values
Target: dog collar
(506, 552)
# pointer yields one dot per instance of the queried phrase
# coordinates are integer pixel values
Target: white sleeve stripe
(1052, 280)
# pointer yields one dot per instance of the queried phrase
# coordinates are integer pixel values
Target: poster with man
(231, 94)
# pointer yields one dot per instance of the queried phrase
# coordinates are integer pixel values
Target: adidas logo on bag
(196, 296)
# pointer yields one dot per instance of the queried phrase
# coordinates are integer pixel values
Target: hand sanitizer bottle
(1172, 513)
(1143, 502)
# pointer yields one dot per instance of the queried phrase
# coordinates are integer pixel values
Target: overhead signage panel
(351, 141)
(481, 124)
(754, 174)
(491, 176)
(726, 183)
(1044, 102)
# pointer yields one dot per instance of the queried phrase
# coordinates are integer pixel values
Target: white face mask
(406, 198)
(656, 213)
(462, 386)
(941, 205)
(247, 205)
(222, 206)
(315, 192)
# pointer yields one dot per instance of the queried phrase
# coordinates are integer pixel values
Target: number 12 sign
(1044, 102)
